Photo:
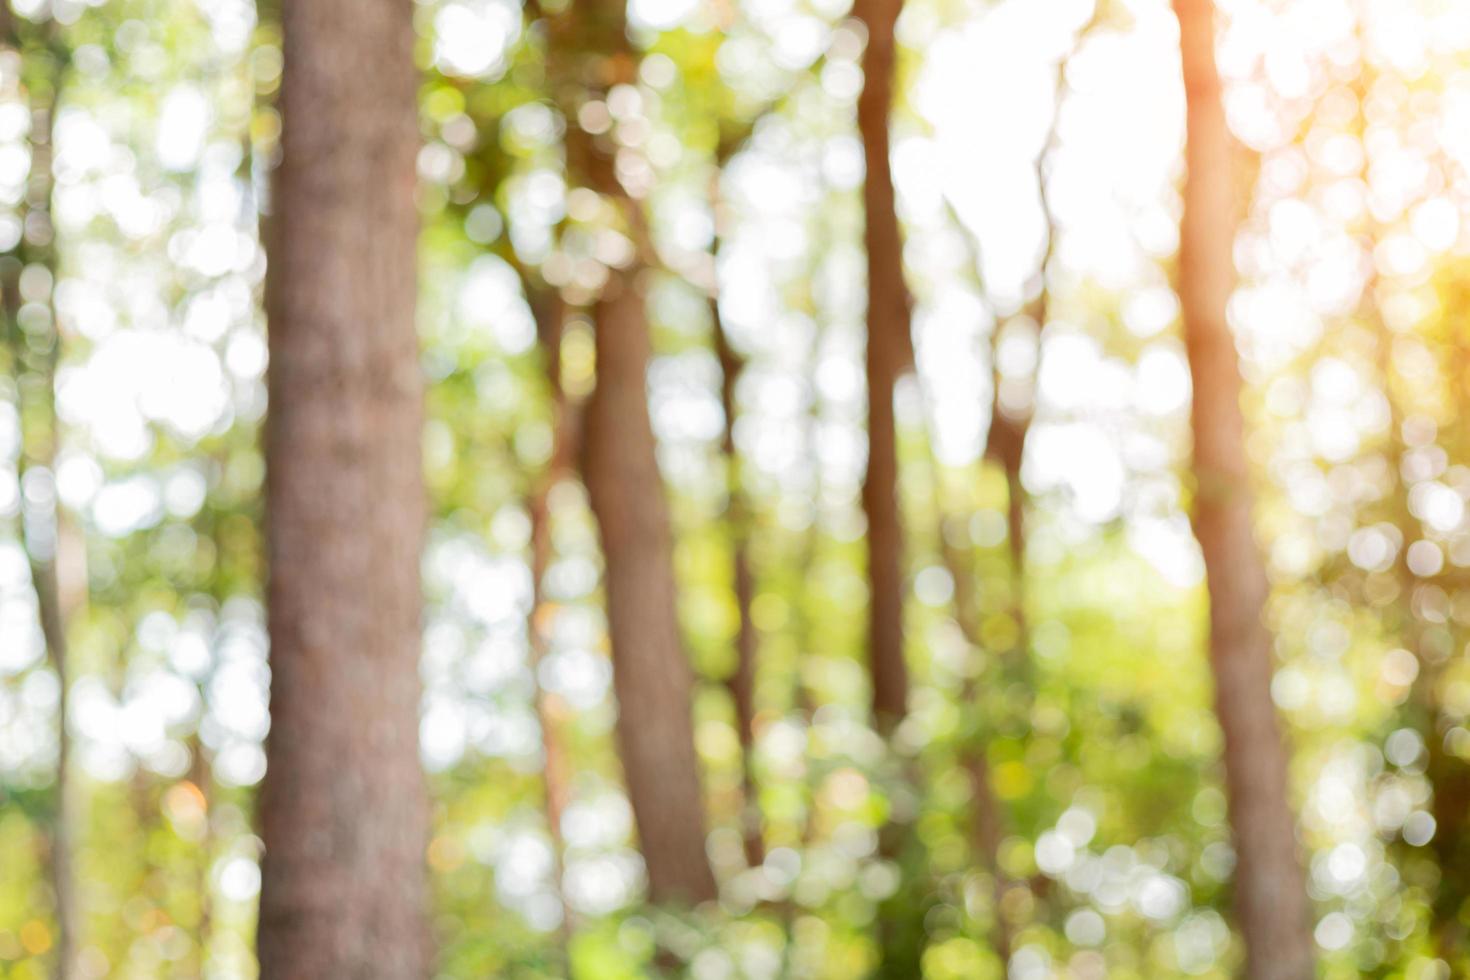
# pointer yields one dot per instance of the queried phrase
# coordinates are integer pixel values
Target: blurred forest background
(1084, 596)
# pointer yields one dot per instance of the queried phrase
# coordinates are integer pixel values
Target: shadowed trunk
(901, 934)
(46, 539)
(344, 813)
(1270, 893)
(651, 673)
(549, 312)
(1006, 444)
(1448, 774)
(202, 777)
(987, 820)
(889, 354)
(742, 681)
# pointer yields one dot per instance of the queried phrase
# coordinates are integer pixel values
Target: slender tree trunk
(742, 681)
(651, 673)
(652, 678)
(987, 821)
(901, 935)
(555, 779)
(1448, 773)
(1270, 893)
(344, 812)
(60, 838)
(1007, 444)
(34, 358)
(202, 776)
(889, 354)
(805, 631)
(549, 313)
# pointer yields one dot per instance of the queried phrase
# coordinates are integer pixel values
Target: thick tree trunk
(889, 354)
(1270, 893)
(344, 814)
(651, 672)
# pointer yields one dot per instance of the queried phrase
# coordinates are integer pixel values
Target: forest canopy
(734, 489)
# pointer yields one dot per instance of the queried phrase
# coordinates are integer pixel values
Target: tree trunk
(34, 357)
(1448, 776)
(901, 935)
(742, 681)
(654, 684)
(651, 672)
(889, 354)
(1270, 893)
(344, 813)
(549, 312)
(202, 776)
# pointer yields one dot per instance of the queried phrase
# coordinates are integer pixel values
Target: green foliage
(1075, 683)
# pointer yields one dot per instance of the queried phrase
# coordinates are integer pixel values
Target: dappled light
(761, 489)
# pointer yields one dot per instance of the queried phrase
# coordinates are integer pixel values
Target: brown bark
(1270, 893)
(742, 681)
(889, 354)
(651, 673)
(549, 312)
(344, 813)
(652, 677)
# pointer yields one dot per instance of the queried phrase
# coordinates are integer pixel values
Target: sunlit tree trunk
(901, 934)
(344, 814)
(652, 676)
(889, 354)
(651, 672)
(1270, 894)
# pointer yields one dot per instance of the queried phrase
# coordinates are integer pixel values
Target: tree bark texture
(651, 672)
(1270, 893)
(344, 814)
(889, 354)
(652, 678)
